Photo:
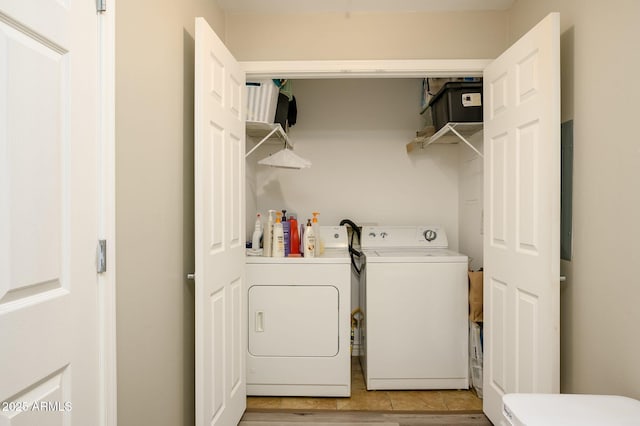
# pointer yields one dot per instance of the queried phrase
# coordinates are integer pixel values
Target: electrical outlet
(471, 99)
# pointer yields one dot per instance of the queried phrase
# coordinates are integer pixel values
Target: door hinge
(101, 5)
(102, 256)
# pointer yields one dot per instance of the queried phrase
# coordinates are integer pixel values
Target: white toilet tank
(570, 410)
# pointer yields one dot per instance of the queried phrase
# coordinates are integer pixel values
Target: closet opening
(359, 133)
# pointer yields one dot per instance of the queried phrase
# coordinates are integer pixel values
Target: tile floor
(363, 400)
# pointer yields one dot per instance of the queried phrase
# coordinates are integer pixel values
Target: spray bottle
(257, 234)
(268, 236)
(278, 237)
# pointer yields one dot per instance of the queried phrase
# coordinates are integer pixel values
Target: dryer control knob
(372, 234)
(430, 235)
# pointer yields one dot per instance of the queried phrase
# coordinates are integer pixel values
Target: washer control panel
(425, 236)
(430, 235)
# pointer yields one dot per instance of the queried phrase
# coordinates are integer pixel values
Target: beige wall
(600, 91)
(351, 130)
(154, 196)
(452, 35)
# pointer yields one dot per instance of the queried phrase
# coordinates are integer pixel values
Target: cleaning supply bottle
(309, 240)
(302, 228)
(316, 233)
(257, 234)
(278, 237)
(268, 236)
(294, 236)
(286, 230)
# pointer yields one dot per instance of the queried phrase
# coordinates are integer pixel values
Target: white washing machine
(414, 297)
(299, 322)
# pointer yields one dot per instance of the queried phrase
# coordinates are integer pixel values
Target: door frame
(107, 210)
(254, 69)
(105, 187)
(419, 68)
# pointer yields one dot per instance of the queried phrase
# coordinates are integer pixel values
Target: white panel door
(221, 318)
(522, 218)
(48, 213)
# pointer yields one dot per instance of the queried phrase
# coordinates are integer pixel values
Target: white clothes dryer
(414, 298)
(299, 321)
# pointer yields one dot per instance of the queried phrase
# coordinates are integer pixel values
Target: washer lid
(570, 410)
(413, 255)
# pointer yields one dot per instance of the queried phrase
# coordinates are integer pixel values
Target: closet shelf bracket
(450, 133)
(266, 131)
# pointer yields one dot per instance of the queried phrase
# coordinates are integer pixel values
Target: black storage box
(457, 102)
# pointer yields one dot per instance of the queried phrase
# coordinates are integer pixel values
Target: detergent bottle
(294, 236)
(278, 237)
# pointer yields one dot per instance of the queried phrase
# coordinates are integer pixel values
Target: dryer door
(293, 321)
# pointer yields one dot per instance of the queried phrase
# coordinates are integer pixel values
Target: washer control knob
(430, 235)
(383, 234)
(372, 234)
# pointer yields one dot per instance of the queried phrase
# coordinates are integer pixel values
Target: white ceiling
(306, 6)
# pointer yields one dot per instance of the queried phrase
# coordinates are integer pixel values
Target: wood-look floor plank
(350, 418)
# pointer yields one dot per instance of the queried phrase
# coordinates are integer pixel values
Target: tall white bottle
(257, 234)
(267, 242)
(278, 237)
(309, 240)
(319, 250)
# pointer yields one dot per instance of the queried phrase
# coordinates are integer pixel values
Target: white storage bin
(475, 357)
(476, 377)
(262, 100)
(475, 344)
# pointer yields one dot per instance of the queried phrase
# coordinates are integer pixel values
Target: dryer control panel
(334, 237)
